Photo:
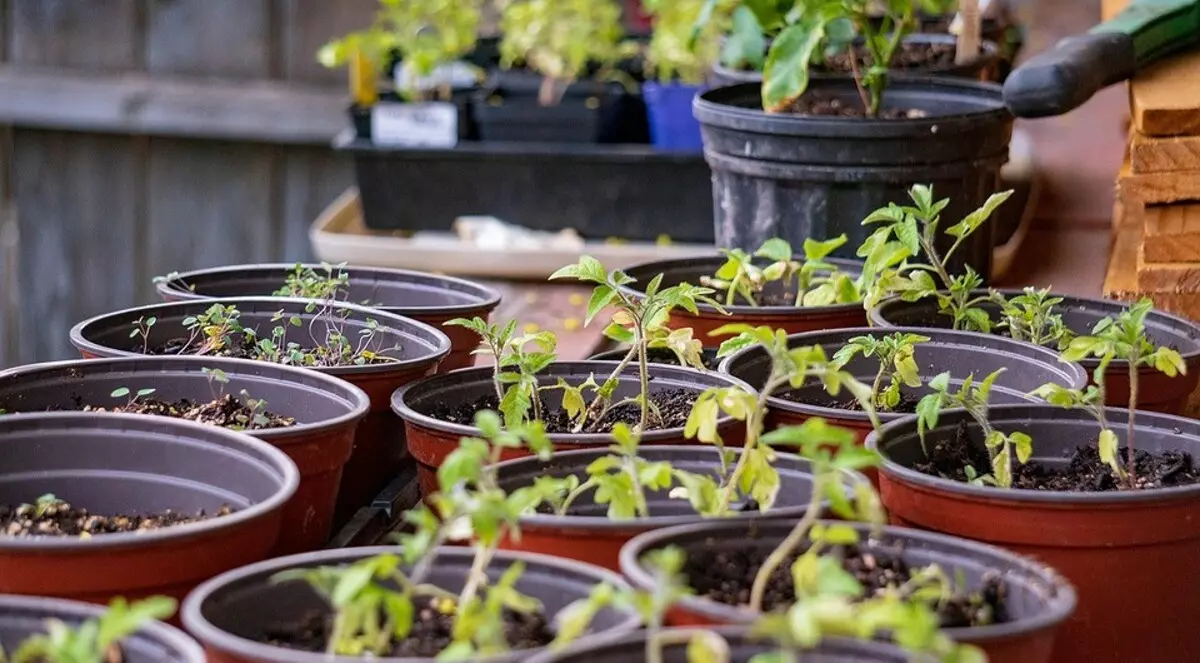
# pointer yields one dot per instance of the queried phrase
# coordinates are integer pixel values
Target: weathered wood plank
(227, 38)
(305, 28)
(77, 198)
(1121, 280)
(1157, 188)
(312, 179)
(162, 105)
(1159, 155)
(1165, 96)
(1171, 233)
(93, 35)
(208, 204)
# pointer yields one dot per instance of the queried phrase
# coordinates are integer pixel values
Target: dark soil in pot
(1156, 391)
(378, 451)
(1034, 598)
(791, 319)
(1151, 535)
(324, 413)
(708, 356)
(588, 535)
(431, 438)
(429, 298)
(791, 176)
(1027, 367)
(57, 518)
(23, 616)
(236, 614)
(128, 464)
(743, 646)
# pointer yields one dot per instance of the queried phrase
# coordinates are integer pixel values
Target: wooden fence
(139, 137)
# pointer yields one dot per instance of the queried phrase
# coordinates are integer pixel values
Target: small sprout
(1030, 317)
(973, 397)
(813, 281)
(122, 392)
(896, 364)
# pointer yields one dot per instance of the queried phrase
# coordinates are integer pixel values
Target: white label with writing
(433, 124)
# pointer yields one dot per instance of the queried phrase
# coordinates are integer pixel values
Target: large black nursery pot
(792, 319)
(379, 449)
(155, 642)
(327, 412)
(1027, 367)
(743, 646)
(981, 67)
(232, 613)
(1038, 599)
(793, 176)
(588, 535)
(123, 464)
(1133, 555)
(507, 109)
(429, 298)
(431, 439)
(1156, 391)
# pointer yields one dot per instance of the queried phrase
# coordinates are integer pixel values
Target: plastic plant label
(433, 124)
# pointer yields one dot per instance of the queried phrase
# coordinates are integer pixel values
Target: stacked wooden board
(1156, 251)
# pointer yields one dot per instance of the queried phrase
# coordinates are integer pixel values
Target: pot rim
(751, 120)
(604, 524)
(397, 324)
(783, 312)
(54, 608)
(875, 315)
(988, 49)
(778, 403)
(251, 449)
(191, 612)
(333, 388)
(1116, 416)
(488, 298)
(1060, 593)
(410, 415)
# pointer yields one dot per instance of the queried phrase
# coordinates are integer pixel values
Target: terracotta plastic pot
(379, 449)
(1038, 598)
(1134, 556)
(960, 353)
(231, 612)
(742, 644)
(588, 535)
(430, 440)
(1156, 391)
(120, 463)
(327, 411)
(791, 319)
(23, 616)
(429, 298)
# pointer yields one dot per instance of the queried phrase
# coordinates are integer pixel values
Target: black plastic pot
(1156, 391)
(981, 67)
(327, 412)
(961, 353)
(120, 463)
(1039, 599)
(507, 109)
(430, 439)
(588, 535)
(429, 298)
(1151, 535)
(792, 176)
(23, 616)
(742, 647)
(379, 449)
(229, 613)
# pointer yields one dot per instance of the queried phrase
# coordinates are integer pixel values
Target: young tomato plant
(814, 281)
(637, 322)
(908, 234)
(96, 640)
(1124, 337)
(518, 360)
(896, 364)
(619, 480)
(307, 283)
(1031, 317)
(973, 397)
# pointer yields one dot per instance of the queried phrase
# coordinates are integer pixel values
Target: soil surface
(431, 633)
(910, 55)
(245, 349)
(226, 411)
(907, 405)
(674, 404)
(1083, 471)
(820, 106)
(727, 577)
(62, 519)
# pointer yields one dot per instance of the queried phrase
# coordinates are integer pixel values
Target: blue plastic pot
(672, 125)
